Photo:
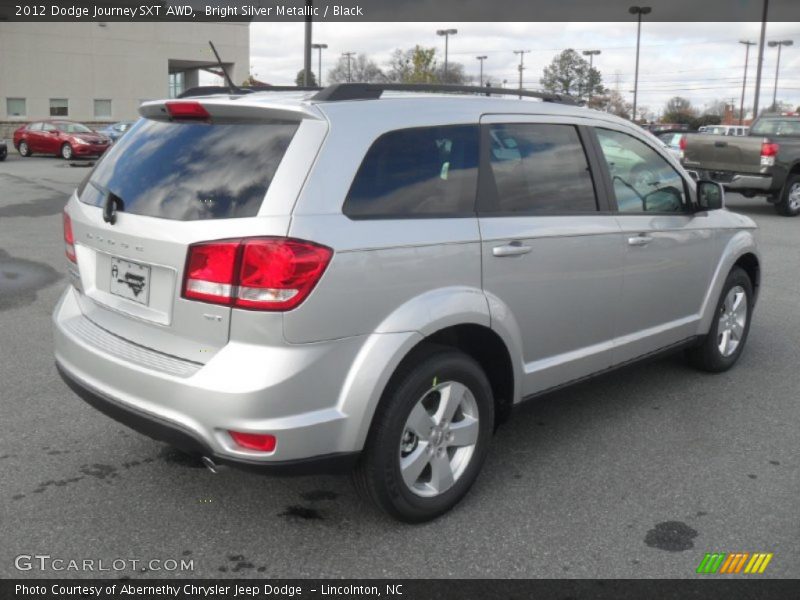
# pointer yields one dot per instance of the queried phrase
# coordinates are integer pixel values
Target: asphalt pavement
(636, 474)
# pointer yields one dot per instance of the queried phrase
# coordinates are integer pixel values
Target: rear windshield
(190, 171)
(776, 127)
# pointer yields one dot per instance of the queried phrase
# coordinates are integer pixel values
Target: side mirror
(710, 195)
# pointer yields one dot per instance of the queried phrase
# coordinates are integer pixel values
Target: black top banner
(400, 10)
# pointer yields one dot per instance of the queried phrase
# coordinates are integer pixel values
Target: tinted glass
(643, 180)
(540, 169)
(191, 171)
(423, 172)
(73, 128)
(790, 127)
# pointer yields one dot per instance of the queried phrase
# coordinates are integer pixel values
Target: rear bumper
(737, 181)
(175, 435)
(242, 388)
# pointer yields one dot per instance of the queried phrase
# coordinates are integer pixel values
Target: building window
(176, 84)
(59, 107)
(15, 107)
(102, 109)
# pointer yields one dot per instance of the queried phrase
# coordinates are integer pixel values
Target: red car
(62, 138)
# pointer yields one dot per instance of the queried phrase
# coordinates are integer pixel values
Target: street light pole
(638, 11)
(521, 66)
(591, 54)
(319, 48)
(780, 44)
(446, 33)
(747, 45)
(348, 55)
(481, 58)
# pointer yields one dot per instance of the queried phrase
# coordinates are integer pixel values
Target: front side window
(540, 169)
(643, 180)
(421, 172)
(59, 107)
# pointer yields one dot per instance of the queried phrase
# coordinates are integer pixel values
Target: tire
(789, 203)
(3, 154)
(24, 149)
(406, 425)
(710, 355)
(66, 152)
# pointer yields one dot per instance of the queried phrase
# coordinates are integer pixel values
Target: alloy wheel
(439, 439)
(794, 197)
(732, 320)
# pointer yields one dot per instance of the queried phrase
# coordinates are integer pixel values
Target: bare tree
(362, 69)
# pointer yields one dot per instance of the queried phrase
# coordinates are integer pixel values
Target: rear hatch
(189, 172)
(723, 153)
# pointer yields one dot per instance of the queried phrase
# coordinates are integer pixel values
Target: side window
(35, 127)
(48, 127)
(422, 172)
(540, 169)
(643, 180)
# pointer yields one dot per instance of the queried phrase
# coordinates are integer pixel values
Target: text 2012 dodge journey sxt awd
(352, 279)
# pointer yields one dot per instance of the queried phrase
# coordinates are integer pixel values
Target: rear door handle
(512, 249)
(640, 240)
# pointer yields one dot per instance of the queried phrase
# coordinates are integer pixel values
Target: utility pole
(349, 55)
(521, 66)
(760, 57)
(780, 44)
(638, 11)
(319, 48)
(446, 33)
(747, 45)
(481, 58)
(307, 44)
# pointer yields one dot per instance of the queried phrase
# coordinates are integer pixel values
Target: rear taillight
(187, 110)
(769, 148)
(262, 442)
(69, 238)
(682, 143)
(254, 273)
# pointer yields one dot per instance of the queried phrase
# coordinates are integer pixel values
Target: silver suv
(369, 281)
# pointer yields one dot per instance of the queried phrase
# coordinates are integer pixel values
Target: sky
(701, 61)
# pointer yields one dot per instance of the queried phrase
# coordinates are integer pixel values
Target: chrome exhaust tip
(209, 464)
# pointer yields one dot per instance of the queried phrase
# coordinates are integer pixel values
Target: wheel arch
(741, 250)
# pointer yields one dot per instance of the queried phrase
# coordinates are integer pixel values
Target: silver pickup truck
(764, 163)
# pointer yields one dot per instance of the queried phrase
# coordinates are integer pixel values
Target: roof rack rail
(210, 90)
(373, 91)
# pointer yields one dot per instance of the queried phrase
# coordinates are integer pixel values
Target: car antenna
(233, 89)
